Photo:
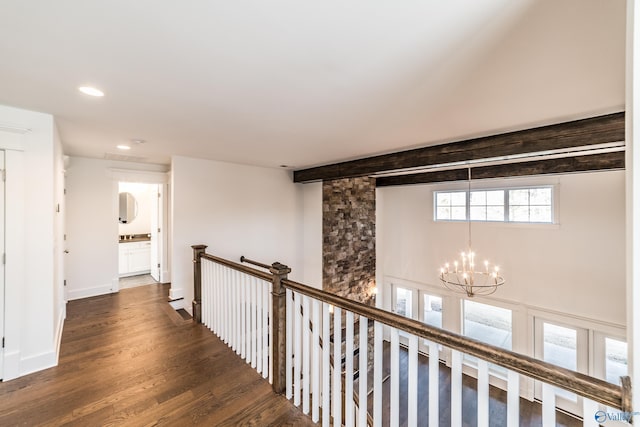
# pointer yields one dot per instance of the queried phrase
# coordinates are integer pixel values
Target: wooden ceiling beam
(591, 162)
(595, 130)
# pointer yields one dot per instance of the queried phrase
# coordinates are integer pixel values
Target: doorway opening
(140, 248)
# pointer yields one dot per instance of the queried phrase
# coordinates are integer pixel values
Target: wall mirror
(128, 208)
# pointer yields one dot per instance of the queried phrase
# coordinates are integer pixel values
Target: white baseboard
(89, 292)
(59, 328)
(11, 365)
(38, 362)
(176, 293)
(15, 366)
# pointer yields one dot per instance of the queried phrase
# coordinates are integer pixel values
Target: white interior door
(156, 207)
(2, 260)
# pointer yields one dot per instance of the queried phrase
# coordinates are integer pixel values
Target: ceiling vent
(123, 157)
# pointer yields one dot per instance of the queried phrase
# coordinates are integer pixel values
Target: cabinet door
(140, 257)
(123, 258)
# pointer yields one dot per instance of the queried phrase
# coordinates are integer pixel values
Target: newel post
(279, 326)
(196, 305)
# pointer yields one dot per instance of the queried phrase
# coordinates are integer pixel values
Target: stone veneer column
(348, 246)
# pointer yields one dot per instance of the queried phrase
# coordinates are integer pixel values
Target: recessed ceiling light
(123, 147)
(138, 141)
(91, 91)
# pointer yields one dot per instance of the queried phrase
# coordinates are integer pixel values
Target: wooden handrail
(583, 385)
(250, 261)
(242, 268)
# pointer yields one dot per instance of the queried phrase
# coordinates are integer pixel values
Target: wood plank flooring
(128, 359)
(530, 412)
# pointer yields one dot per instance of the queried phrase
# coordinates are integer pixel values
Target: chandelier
(467, 277)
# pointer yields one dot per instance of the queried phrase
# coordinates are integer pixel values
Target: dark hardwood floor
(128, 359)
(530, 412)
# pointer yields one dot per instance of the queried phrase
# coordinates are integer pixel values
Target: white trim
(89, 292)
(11, 365)
(38, 362)
(59, 328)
(176, 293)
(131, 175)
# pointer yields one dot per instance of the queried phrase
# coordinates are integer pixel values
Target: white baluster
(203, 292)
(234, 307)
(348, 399)
(589, 409)
(412, 398)
(247, 319)
(225, 307)
(315, 377)
(306, 355)
(513, 399)
(243, 317)
(326, 367)
(270, 330)
(237, 311)
(289, 344)
(363, 369)
(394, 414)
(456, 388)
(377, 374)
(483, 393)
(259, 310)
(337, 366)
(434, 381)
(265, 328)
(297, 349)
(216, 296)
(254, 323)
(548, 406)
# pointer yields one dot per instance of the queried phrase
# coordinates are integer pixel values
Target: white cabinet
(134, 258)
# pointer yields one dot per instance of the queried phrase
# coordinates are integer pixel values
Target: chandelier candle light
(464, 277)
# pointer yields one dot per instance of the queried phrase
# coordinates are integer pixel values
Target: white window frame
(506, 220)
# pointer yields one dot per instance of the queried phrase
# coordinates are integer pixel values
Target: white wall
(312, 229)
(235, 210)
(576, 267)
(92, 224)
(33, 307)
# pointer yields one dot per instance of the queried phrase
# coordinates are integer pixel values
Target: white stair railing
(247, 309)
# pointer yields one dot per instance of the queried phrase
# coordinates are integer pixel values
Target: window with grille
(528, 205)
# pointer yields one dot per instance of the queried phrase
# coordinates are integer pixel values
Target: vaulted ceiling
(304, 83)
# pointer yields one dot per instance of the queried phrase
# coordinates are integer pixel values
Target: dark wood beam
(577, 133)
(591, 162)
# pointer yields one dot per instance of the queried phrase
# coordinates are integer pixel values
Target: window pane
(518, 197)
(616, 360)
(443, 213)
(540, 214)
(432, 311)
(478, 213)
(459, 198)
(443, 199)
(540, 196)
(458, 213)
(403, 302)
(519, 213)
(495, 213)
(478, 198)
(495, 198)
(487, 323)
(560, 346)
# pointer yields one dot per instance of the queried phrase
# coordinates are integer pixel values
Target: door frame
(162, 180)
